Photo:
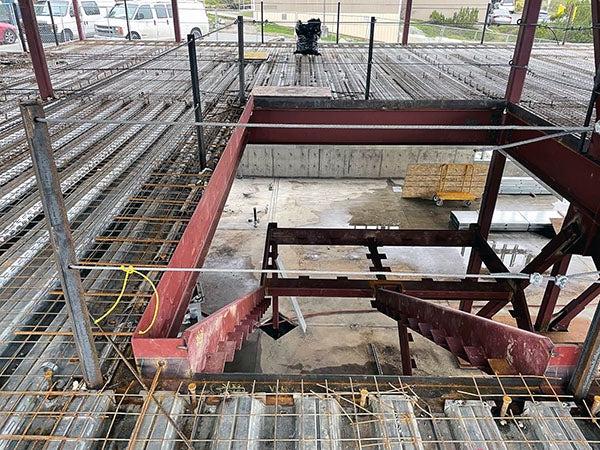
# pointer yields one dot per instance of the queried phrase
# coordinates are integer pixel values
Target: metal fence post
(370, 59)
(240, 24)
(262, 23)
(52, 22)
(485, 22)
(19, 26)
(197, 100)
(337, 28)
(57, 221)
(127, 20)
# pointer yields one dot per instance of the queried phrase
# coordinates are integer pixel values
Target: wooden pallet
(424, 180)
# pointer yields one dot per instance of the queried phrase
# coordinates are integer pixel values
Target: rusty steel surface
(175, 288)
(363, 114)
(473, 338)
(522, 53)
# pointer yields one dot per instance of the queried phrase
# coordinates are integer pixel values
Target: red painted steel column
(406, 26)
(76, 11)
(36, 49)
(518, 69)
(552, 291)
(486, 212)
(176, 25)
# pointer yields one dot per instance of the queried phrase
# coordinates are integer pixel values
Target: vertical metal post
(370, 59)
(191, 39)
(404, 348)
(80, 29)
(262, 23)
(337, 27)
(275, 318)
(127, 19)
(52, 23)
(176, 25)
(522, 53)
(485, 22)
(19, 26)
(406, 27)
(57, 221)
(569, 22)
(240, 24)
(36, 49)
(486, 212)
(589, 360)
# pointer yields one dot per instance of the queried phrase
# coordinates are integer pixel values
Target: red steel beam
(562, 319)
(366, 237)
(175, 288)
(522, 53)
(407, 12)
(426, 289)
(370, 116)
(36, 49)
(76, 11)
(571, 174)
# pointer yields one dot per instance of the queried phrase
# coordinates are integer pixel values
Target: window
(161, 11)
(90, 8)
(118, 11)
(170, 10)
(143, 13)
(59, 9)
(283, 16)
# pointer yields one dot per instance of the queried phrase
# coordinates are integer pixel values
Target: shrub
(464, 17)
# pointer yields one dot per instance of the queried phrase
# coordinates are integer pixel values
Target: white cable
(326, 126)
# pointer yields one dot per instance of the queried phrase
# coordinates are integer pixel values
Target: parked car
(151, 19)
(509, 5)
(499, 16)
(543, 17)
(90, 12)
(8, 33)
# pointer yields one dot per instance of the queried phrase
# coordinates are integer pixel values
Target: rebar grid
(200, 412)
(139, 214)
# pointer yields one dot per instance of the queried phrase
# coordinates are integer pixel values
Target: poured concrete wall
(347, 161)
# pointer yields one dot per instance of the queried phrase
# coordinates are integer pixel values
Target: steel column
(36, 49)
(337, 27)
(486, 212)
(522, 53)
(52, 23)
(127, 20)
(262, 23)
(403, 340)
(407, 5)
(589, 360)
(544, 316)
(57, 221)
(240, 36)
(485, 22)
(15, 10)
(176, 24)
(76, 11)
(370, 59)
(197, 99)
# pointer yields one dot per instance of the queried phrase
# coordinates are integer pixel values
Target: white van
(90, 12)
(152, 19)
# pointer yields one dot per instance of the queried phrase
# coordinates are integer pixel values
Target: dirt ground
(341, 331)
